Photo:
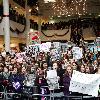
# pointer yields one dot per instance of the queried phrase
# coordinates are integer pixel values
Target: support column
(39, 27)
(39, 23)
(27, 23)
(6, 25)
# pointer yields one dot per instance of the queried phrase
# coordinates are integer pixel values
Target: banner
(85, 83)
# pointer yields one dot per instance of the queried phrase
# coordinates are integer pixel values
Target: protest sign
(30, 80)
(56, 44)
(32, 49)
(52, 79)
(44, 47)
(16, 85)
(85, 83)
(77, 53)
(55, 54)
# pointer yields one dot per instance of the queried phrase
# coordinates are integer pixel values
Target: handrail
(51, 95)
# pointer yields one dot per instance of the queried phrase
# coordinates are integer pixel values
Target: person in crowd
(16, 81)
(98, 70)
(66, 80)
(6, 75)
(65, 63)
(82, 68)
(58, 68)
(74, 66)
(87, 70)
(1, 73)
(45, 68)
(10, 68)
(60, 71)
(41, 83)
(95, 64)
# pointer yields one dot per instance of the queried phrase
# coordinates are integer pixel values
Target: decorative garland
(47, 35)
(62, 34)
(55, 34)
(16, 30)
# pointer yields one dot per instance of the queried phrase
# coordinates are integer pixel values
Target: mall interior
(50, 49)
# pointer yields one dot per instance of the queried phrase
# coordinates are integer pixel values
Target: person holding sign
(41, 83)
(60, 71)
(16, 81)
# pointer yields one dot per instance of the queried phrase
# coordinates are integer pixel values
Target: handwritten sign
(77, 53)
(85, 83)
(52, 79)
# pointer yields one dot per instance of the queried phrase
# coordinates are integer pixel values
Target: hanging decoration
(55, 34)
(17, 30)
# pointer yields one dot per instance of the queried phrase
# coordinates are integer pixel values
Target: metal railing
(31, 93)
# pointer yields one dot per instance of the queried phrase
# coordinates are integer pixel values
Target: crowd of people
(73, 23)
(14, 71)
(15, 16)
(33, 25)
(55, 26)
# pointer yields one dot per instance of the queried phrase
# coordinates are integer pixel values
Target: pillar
(39, 23)
(6, 25)
(27, 14)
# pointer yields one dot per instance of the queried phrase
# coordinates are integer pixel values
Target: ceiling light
(16, 7)
(30, 10)
(69, 15)
(59, 16)
(63, 14)
(37, 8)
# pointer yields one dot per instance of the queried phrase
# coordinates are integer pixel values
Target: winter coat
(66, 84)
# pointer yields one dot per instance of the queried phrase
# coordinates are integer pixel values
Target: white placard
(30, 80)
(54, 54)
(32, 49)
(77, 53)
(56, 44)
(52, 79)
(44, 47)
(51, 73)
(85, 83)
